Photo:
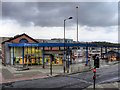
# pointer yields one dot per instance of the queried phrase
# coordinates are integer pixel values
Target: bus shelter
(32, 53)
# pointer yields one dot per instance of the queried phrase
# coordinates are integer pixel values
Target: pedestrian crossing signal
(96, 61)
(94, 77)
(52, 57)
(94, 70)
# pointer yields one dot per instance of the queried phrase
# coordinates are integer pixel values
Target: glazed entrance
(31, 56)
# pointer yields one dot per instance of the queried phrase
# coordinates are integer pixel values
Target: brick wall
(15, 41)
(18, 39)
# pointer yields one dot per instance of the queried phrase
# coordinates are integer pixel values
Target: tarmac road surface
(79, 80)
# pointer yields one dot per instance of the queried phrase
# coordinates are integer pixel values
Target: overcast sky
(98, 21)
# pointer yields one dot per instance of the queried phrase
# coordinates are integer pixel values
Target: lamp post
(64, 45)
(77, 26)
(77, 20)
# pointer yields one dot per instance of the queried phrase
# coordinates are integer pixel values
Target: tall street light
(64, 45)
(77, 26)
(77, 20)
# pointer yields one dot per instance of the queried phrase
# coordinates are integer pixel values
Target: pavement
(115, 85)
(10, 73)
(110, 85)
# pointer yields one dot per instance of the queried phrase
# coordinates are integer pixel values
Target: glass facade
(56, 61)
(31, 56)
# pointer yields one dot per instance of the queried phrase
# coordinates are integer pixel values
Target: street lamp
(77, 26)
(77, 20)
(64, 44)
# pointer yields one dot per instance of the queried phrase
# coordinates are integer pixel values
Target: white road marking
(85, 81)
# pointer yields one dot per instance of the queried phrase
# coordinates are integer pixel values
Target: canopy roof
(60, 45)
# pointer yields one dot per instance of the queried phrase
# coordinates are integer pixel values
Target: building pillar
(68, 57)
(101, 52)
(23, 54)
(35, 53)
(31, 55)
(27, 56)
(10, 56)
(13, 55)
(86, 56)
(106, 55)
(43, 59)
(38, 56)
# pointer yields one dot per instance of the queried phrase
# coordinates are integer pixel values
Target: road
(79, 80)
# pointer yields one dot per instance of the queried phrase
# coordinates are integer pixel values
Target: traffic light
(52, 57)
(94, 70)
(94, 77)
(96, 61)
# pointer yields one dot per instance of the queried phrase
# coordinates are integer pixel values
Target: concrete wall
(1, 49)
(7, 53)
(3, 52)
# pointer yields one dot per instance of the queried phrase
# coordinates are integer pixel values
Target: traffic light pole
(51, 59)
(94, 80)
(51, 67)
(94, 77)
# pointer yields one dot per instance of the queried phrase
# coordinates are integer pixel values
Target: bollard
(78, 69)
(83, 68)
(71, 70)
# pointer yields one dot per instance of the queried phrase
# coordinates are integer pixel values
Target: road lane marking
(85, 81)
(80, 79)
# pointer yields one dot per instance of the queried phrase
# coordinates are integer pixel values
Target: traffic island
(21, 67)
(81, 68)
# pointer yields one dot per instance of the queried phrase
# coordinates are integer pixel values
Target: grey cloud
(52, 14)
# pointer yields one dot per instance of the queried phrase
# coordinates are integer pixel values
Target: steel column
(27, 56)
(31, 55)
(101, 52)
(106, 54)
(10, 56)
(13, 55)
(68, 57)
(35, 53)
(86, 55)
(38, 56)
(23, 54)
(43, 58)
